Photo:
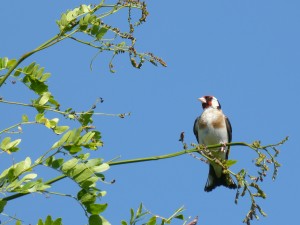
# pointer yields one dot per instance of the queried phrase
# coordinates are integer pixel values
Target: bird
(213, 127)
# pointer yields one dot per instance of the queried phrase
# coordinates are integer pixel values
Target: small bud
(19, 128)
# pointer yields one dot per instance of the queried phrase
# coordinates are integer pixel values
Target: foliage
(142, 213)
(70, 154)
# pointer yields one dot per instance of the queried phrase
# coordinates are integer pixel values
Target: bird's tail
(213, 181)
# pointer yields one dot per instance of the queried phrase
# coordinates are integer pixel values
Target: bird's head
(210, 101)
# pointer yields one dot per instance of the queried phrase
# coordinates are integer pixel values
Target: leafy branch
(241, 177)
(88, 19)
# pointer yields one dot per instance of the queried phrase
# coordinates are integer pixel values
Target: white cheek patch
(215, 103)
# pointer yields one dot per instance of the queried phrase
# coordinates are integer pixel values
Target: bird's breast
(212, 127)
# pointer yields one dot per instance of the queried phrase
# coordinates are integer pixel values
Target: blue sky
(246, 53)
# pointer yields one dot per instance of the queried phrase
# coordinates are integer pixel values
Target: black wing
(195, 129)
(229, 133)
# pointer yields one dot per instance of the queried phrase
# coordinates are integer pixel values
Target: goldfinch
(213, 127)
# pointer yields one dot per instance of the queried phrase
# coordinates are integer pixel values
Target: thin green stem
(175, 154)
(26, 55)
(16, 125)
(85, 43)
(61, 112)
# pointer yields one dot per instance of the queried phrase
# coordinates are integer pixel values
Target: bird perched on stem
(213, 127)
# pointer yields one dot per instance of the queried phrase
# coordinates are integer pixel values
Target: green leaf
(75, 135)
(60, 129)
(39, 73)
(41, 186)
(24, 118)
(91, 182)
(85, 138)
(83, 176)
(139, 211)
(180, 216)
(86, 18)
(230, 162)
(101, 33)
(104, 221)
(2, 205)
(85, 8)
(82, 24)
(48, 220)
(29, 68)
(37, 86)
(73, 149)
(4, 62)
(57, 163)
(27, 186)
(39, 117)
(11, 63)
(123, 222)
(63, 20)
(34, 71)
(131, 216)
(57, 222)
(45, 77)
(18, 222)
(86, 118)
(4, 173)
(48, 161)
(12, 145)
(94, 162)
(22, 167)
(94, 145)
(95, 220)
(29, 176)
(63, 140)
(86, 198)
(152, 221)
(69, 165)
(18, 72)
(26, 178)
(96, 209)
(78, 169)
(44, 99)
(99, 169)
(70, 16)
(95, 29)
(40, 222)
(49, 124)
(4, 142)
(102, 193)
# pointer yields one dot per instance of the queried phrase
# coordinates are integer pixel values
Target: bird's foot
(223, 148)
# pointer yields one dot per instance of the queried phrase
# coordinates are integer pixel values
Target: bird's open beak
(202, 99)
